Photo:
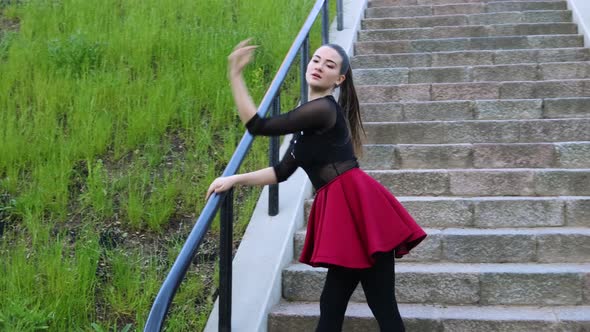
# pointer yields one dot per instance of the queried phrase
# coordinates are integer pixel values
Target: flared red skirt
(352, 218)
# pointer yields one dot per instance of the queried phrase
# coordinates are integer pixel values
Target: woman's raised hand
(240, 57)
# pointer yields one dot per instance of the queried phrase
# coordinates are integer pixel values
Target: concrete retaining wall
(581, 16)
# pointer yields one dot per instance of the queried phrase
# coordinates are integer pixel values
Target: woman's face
(323, 70)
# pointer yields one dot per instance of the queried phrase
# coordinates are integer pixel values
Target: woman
(356, 226)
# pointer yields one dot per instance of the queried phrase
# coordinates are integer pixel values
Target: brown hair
(348, 100)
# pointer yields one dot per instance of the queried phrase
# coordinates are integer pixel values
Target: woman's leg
(339, 286)
(378, 284)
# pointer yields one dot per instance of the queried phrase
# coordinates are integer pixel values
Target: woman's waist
(322, 175)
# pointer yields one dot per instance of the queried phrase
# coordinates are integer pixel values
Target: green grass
(114, 118)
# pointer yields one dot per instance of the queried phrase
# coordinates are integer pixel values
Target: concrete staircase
(478, 120)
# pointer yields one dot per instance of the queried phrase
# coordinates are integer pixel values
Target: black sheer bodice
(321, 142)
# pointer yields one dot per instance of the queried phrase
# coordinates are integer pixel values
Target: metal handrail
(170, 285)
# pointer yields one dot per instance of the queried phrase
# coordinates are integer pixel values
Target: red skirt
(352, 218)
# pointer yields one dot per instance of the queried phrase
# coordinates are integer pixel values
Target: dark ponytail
(349, 102)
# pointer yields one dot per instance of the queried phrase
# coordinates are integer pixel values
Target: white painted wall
(581, 16)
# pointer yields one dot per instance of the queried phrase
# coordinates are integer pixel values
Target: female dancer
(356, 227)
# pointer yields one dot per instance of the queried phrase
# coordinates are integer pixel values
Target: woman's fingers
(243, 51)
(247, 49)
(218, 185)
(239, 58)
(245, 55)
(243, 43)
(210, 190)
(242, 48)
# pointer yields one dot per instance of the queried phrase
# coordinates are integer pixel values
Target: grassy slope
(114, 118)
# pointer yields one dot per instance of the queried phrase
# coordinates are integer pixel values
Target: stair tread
(499, 65)
(477, 51)
(433, 311)
(479, 121)
(475, 26)
(467, 100)
(470, 57)
(469, 14)
(476, 4)
(481, 7)
(565, 230)
(544, 11)
(476, 109)
(375, 3)
(458, 20)
(490, 82)
(532, 72)
(485, 198)
(482, 3)
(476, 38)
(553, 41)
(476, 170)
(474, 144)
(466, 268)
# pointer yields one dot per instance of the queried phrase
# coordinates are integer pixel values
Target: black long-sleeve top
(321, 143)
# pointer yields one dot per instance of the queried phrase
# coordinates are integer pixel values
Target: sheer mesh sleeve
(288, 165)
(319, 114)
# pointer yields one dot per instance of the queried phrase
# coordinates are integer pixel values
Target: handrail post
(225, 261)
(339, 15)
(273, 189)
(325, 22)
(304, 57)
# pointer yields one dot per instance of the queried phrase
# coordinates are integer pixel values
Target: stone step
(392, 3)
(462, 8)
(470, 58)
(486, 182)
(481, 131)
(474, 90)
(502, 245)
(550, 108)
(538, 16)
(471, 43)
(468, 31)
(478, 155)
(303, 316)
(467, 284)
(492, 212)
(489, 73)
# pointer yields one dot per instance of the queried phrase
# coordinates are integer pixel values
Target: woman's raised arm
(319, 114)
(237, 60)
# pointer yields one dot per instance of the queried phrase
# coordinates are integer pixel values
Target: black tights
(378, 284)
